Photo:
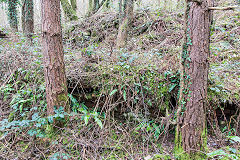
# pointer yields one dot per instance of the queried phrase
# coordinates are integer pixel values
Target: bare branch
(223, 8)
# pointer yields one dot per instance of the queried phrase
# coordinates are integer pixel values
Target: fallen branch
(223, 8)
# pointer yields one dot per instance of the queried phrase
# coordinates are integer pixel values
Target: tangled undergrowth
(123, 101)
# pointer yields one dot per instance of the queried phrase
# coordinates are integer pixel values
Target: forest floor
(123, 101)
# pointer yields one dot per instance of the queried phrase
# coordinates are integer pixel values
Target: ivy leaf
(149, 128)
(32, 132)
(124, 95)
(99, 122)
(61, 115)
(157, 130)
(139, 127)
(35, 116)
(235, 138)
(218, 152)
(233, 150)
(50, 119)
(86, 118)
(113, 92)
(38, 124)
(172, 87)
(21, 108)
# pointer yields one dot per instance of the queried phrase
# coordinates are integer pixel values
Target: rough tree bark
(69, 10)
(27, 19)
(54, 68)
(125, 22)
(12, 15)
(191, 133)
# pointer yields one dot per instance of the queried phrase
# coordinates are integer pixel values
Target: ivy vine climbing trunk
(54, 68)
(12, 14)
(27, 19)
(125, 22)
(191, 136)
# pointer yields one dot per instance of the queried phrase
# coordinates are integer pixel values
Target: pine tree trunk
(68, 10)
(27, 19)
(120, 4)
(12, 15)
(90, 7)
(54, 69)
(95, 5)
(74, 4)
(191, 133)
(165, 4)
(107, 4)
(125, 23)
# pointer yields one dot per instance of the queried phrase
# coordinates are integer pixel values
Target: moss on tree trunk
(191, 131)
(74, 4)
(12, 15)
(54, 67)
(69, 10)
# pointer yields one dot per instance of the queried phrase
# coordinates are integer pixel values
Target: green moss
(50, 131)
(11, 116)
(62, 97)
(182, 155)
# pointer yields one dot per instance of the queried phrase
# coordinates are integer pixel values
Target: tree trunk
(120, 4)
(107, 4)
(94, 6)
(125, 23)
(165, 4)
(90, 7)
(12, 15)
(74, 4)
(237, 125)
(27, 19)
(191, 132)
(68, 10)
(54, 69)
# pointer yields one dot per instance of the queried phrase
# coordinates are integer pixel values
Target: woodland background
(123, 101)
